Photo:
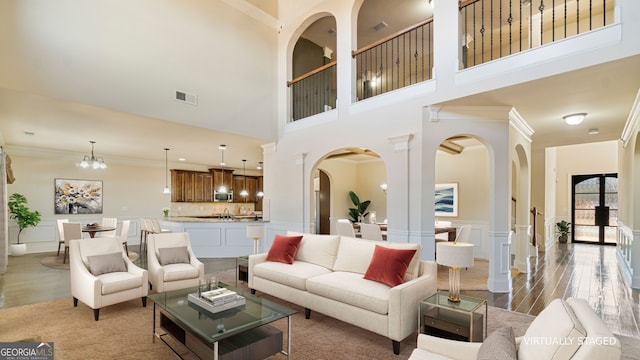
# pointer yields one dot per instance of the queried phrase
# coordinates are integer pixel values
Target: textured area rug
(125, 332)
(56, 261)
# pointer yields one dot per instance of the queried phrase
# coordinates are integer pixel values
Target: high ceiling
(43, 107)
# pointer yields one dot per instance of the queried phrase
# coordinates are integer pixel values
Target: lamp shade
(255, 231)
(455, 254)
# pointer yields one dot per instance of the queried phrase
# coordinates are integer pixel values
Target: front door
(595, 208)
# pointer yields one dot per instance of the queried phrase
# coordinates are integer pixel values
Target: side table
(242, 269)
(462, 321)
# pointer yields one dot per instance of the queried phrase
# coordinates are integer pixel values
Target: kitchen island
(212, 237)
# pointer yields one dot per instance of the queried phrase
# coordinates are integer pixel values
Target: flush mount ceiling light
(574, 119)
(166, 172)
(96, 162)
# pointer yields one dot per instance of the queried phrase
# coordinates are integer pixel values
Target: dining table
(92, 230)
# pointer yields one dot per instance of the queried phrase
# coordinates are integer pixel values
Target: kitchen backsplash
(209, 209)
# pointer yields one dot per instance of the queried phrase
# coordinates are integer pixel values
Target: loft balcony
(489, 30)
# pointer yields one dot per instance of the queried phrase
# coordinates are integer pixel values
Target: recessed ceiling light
(574, 119)
(182, 159)
(594, 131)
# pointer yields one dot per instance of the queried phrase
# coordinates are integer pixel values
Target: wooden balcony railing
(314, 92)
(492, 29)
(402, 59)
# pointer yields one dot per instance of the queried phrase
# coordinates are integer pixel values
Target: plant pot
(563, 239)
(17, 249)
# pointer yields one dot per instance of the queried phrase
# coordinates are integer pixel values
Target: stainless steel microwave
(222, 197)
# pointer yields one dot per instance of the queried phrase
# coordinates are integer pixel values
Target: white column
(522, 248)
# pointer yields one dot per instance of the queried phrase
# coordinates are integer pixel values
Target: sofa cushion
(354, 255)
(284, 248)
(293, 275)
(554, 334)
(389, 266)
(173, 255)
(500, 344)
(351, 288)
(106, 263)
(179, 271)
(318, 249)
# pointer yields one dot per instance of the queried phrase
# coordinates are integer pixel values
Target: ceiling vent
(186, 97)
(380, 26)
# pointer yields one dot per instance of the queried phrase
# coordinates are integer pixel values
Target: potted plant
(359, 212)
(563, 228)
(25, 218)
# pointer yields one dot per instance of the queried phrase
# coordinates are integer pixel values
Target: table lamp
(455, 255)
(255, 232)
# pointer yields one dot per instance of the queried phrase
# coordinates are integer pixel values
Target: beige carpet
(124, 332)
(56, 261)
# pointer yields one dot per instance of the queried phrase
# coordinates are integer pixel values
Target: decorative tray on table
(217, 300)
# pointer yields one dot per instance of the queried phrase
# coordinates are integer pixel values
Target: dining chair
(59, 223)
(145, 229)
(442, 236)
(345, 228)
(110, 222)
(72, 231)
(371, 232)
(124, 234)
(464, 233)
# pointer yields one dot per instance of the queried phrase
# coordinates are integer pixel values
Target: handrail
(311, 73)
(462, 4)
(354, 53)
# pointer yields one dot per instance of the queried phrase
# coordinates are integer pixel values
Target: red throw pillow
(389, 266)
(284, 248)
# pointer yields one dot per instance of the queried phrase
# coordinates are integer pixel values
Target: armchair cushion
(500, 344)
(284, 248)
(116, 282)
(175, 272)
(106, 263)
(173, 255)
(389, 266)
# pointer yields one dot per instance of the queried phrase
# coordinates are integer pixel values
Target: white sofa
(327, 276)
(563, 330)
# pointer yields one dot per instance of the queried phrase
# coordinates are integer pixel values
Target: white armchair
(102, 274)
(171, 262)
(563, 330)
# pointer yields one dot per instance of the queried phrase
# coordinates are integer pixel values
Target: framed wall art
(78, 196)
(446, 199)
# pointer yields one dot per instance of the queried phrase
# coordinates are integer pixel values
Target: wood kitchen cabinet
(251, 187)
(223, 177)
(191, 186)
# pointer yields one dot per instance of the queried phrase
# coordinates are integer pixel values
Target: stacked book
(217, 300)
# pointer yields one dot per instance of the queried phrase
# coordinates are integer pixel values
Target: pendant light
(166, 172)
(96, 162)
(244, 191)
(260, 193)
(222, 189)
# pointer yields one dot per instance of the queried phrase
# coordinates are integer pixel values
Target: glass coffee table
(241, 332)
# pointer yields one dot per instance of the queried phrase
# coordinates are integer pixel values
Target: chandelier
(96, 162)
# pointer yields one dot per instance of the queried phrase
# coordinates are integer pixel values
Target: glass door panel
(595, 208)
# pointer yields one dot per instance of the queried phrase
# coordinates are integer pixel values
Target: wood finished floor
(568, 270)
